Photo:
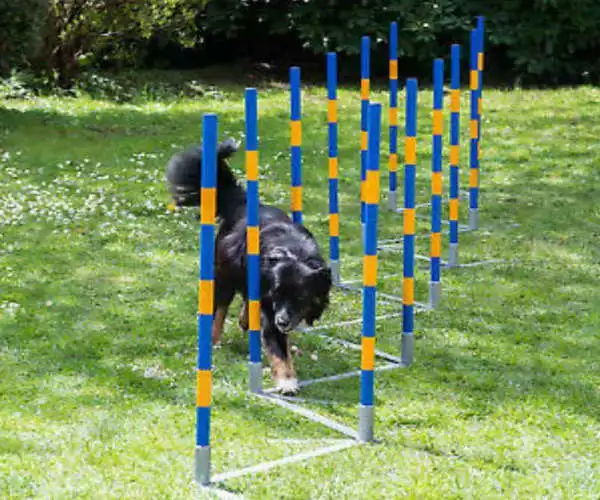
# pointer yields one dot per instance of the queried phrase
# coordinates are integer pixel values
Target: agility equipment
(296, 143)
(435, 284)
(365, 90)
(253, 240)
(371, 198)
(206, 289)
(393, 118)
(474, 133)
(332, 135)
(410, 165)
(454, 154)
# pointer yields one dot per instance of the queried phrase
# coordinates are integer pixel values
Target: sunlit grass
(98, 297)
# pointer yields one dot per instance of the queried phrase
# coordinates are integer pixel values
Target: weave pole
(474, 133)
(453, 260)
(410, 165)
(435, 283)
(367, 359)
(393, 118)
(206, 288)
(480, 57)
(296, 143)
(365, 85)
(253, 241)
(334, 216)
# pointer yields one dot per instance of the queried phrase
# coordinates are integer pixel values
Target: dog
(295, 280)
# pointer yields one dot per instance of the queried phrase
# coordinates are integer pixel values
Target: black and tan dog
(295, 279)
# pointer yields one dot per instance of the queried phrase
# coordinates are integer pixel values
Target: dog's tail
(231, 196)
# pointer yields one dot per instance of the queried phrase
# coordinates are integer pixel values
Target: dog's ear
(279, 253)
(322, 276)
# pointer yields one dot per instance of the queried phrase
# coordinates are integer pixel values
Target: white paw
(287, 385)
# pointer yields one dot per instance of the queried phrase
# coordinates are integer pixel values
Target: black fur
(295, 279)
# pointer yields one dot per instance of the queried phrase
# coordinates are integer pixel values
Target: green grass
(98, 299)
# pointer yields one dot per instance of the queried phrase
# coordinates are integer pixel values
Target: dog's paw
(287, 386)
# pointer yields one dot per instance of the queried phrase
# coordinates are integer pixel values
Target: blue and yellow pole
(365, 84)
(393, 118)
(367, 360)
(334, 216)
(206, 290)
(410, 165)
(296, 144)
(480, 58)
(253, 240)
(435, 283)
(474, 134)
(453, 260)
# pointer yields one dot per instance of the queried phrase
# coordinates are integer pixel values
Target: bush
(21, 23)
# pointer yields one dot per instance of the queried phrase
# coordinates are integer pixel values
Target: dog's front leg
(243, 320)
(278, 352)
(223, 297)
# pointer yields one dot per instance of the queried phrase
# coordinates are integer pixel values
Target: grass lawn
(98, 296)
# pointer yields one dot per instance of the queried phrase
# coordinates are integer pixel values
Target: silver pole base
(453, 255)
(202, 465)
(365, 423)
(334, 265)
(255, 377)
(473, 219)
(435, 293)
(407, 349)
(393, 200)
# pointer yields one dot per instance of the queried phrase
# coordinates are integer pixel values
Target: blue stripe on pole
(481, 32)
(369, 309)
(365, 50)
(333, 147)
(202, 425)
(252, 206)
(454, 129)
(253, 277)
(296, 166)
(333, 196)
(454, 181)
(411, 107)
(474, 41)
(205, 322)
(251, 120)
(435, 269)
(364, 110)
(331, 75)
(393, 181)
(409, 255)
(207, 254)
(393, 93)
(453, 231)
(394, 40)
(209, 154)
(334, 248)
(436, 214)
(393, 139)
(408, 319)
(295, 93)
(374, 136)
(438, 83)
(409, 186)
(371, 210)
(254, 339)
(367, 383)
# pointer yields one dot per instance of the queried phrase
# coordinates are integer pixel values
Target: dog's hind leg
(282, 367)
(223, 297)
(244, 321)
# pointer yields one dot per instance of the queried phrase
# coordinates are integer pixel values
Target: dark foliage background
(543, 42)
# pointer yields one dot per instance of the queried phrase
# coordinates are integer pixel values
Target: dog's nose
(283, 323)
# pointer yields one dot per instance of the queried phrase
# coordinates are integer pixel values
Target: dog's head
(299, 288)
